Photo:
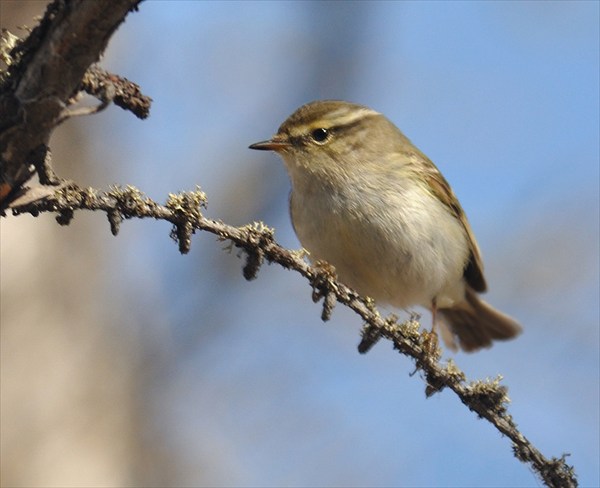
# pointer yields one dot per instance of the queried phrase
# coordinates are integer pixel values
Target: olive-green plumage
(367, 201)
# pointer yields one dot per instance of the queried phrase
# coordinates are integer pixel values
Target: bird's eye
(319, 135)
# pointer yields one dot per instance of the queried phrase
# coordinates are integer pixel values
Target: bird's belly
(403, 251)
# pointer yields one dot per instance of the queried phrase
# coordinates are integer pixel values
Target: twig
(486, 398)
(109, 87)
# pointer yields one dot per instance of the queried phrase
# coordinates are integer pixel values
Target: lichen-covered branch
(487, 398)
(109, 87)
(44, 73)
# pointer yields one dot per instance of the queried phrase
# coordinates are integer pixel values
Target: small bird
(367, 201)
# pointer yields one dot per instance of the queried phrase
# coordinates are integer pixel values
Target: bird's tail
(476, 324)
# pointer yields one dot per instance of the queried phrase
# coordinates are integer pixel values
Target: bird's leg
(430, 341)
(433, 315)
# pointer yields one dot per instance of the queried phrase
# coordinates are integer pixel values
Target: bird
(370, 203)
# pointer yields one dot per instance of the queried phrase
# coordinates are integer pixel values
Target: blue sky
(255, 390)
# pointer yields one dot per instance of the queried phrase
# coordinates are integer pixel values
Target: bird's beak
(271, 145)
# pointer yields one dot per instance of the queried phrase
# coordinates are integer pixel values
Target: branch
(184, 210)
(45, 72)
(109, 87)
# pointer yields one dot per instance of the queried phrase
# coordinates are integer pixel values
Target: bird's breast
(390, 240)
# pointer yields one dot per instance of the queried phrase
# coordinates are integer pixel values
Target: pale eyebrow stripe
(343, 121)
(349, 117)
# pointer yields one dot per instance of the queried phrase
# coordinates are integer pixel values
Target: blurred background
(124, 363)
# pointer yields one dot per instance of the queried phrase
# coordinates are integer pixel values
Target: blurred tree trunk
(72, 376)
